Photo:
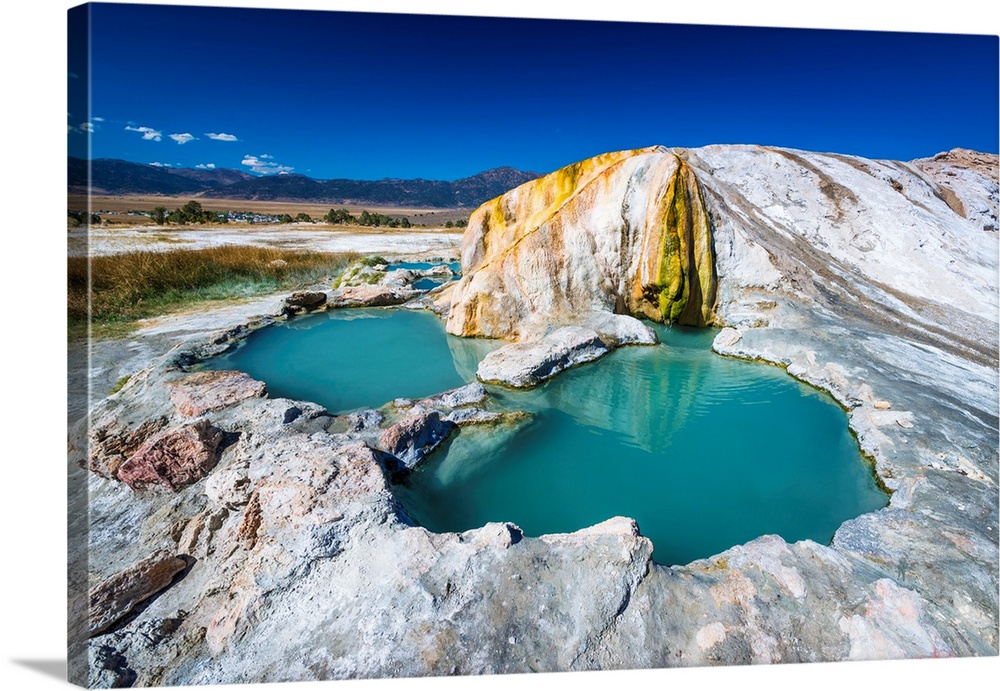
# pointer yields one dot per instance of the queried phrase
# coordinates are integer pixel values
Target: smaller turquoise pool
(429, 283)
(350, 359)
(423, 266)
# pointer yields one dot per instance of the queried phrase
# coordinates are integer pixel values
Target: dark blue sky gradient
(334, 94)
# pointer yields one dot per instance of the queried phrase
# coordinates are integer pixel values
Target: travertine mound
(874, 280)
(625, 232)
(719, 235)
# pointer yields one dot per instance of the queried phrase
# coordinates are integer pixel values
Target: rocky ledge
(874, 280)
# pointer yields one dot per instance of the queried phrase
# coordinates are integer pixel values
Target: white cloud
(221, 137)
(86, 127)
(97, 119)
(147, 132)
(182, 138)
(160, 165)
(264, 165)
(206, 166)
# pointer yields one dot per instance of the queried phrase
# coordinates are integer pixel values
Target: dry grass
(126, 287)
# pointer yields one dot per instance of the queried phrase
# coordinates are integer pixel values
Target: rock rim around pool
(536, 358)
(865, 282)
(528, 364)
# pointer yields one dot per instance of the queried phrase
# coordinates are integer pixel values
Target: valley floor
(296, 236)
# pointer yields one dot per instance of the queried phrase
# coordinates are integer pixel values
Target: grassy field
(78, 202)
(127, 287)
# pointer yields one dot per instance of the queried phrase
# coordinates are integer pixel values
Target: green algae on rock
(625, 233)
(676, 283)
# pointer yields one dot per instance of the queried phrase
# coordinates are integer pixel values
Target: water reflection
(704, 452)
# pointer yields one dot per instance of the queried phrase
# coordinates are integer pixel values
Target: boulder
(725, 340)
(364, 419)
(416, 435)
(529, 364)
(303, 301)
(456, 398)
(199, 393)
(438, 270)
(372, 296)
(111, 444)
(400, 278)
(174, 458)
(119, 595)
(619, 329)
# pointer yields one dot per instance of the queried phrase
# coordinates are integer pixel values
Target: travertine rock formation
(625, 232)
(174, 458)
(717, 235)
(203, 392)
(875, 280)
(119, 595)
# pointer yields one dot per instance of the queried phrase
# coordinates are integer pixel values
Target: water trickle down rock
(623, 233)
(675, 280)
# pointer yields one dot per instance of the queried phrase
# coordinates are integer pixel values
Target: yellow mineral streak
(676, 277)
(525, 260)
(510, 218)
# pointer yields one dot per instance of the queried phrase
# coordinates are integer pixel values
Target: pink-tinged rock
(174, 458)
(111, 445)
(202, 392)
(117, 596)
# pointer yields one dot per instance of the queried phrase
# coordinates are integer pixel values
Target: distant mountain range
(113, 176)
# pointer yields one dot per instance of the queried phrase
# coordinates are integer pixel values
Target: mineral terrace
(229, 537)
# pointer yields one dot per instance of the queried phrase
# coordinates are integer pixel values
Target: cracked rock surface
(874, 280)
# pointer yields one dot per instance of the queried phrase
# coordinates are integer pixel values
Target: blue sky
(332, 94)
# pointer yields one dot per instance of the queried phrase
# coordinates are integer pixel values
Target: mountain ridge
(116, 176)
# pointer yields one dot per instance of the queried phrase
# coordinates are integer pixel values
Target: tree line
(189, 213)
(192, 212)
(376, 220)
(366, 218)
(82, 218)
